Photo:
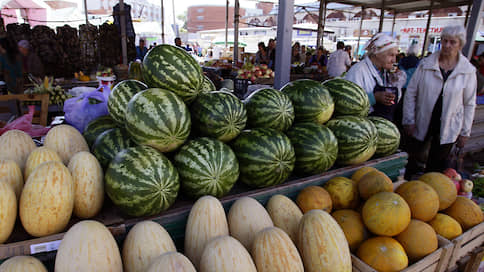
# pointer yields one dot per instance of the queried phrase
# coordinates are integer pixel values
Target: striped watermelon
(206, 167)
(120, 96)
(96, 127)
(388, 136)
(207, 85)
(219, 115)
(142, 181)
(315, 145)
(158, 118)
(266, 157)
(349, 98)
(109, 143)
(269, 108)
(312, 102)
(357, 138)
(172, 68)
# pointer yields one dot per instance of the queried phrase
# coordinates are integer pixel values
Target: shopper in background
(178, 42)
(141, 50)
(11, 65)
(31, 63)
(439, 103)
(339, 61)
(261, 57)
(319, 59)
(296, 54)
(409, 63)
(348, 50)
(271, 50)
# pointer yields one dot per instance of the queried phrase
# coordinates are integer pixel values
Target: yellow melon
(10, 173)
(444, 187)
(38, 156)
(343, 192)
(285, 214)
(422, 199)
(384, 254)
(466, 212)
(22, 264)
(374, 182)
(226, 254)
(47, 199)
(88, 178)
(66, 141)
(418, 239)
(386, 214)
(8, 211)
(171, 261)
(16, 145)
(314, 197)
(446, 226)
(352, 225)
(358, 174)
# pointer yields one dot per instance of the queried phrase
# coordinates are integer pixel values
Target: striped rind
(266, 157)
(158, 118)
(207, 85)
(388, 136)
(269, 108)
(120, 96)
(311, 100)
(172, 68)
(357, 138)
(219, 115)
(109, 143)
(142, 181)
(349, 98)
(96, 127)
(315, 146)
(206, 167)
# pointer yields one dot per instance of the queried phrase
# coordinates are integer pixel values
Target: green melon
(207, 85)
(269, 108)
(388, 136)
(120, 96)
(348, 97)
(96, 127)
(109, 143)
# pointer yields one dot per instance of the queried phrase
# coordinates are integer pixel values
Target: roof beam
(391, 3)
(436, 6)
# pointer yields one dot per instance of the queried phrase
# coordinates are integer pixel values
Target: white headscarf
(380, 42)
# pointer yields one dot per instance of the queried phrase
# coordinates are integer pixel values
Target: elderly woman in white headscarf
(439, 104)
(374, 74)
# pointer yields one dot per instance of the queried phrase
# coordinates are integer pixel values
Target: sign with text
(418, 30)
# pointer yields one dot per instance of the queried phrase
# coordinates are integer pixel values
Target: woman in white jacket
(439, 103)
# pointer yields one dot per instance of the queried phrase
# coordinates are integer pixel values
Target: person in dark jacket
(31, 63)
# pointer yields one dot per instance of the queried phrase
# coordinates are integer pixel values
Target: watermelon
(141, 181)
(357, 138)
(109, 143)
(312, 102)
(219, 115)
(269, 108)
(206, 167)
(172, 68)
(96, 127)
(207, 85)
(315, 145)
(158, 118)
(120, 96)
(266, 157)
(388, 136)
(349, 98)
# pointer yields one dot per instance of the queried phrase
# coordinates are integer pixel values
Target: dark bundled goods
(69, 41)
(17, 32)
(88, 39)
(45, 45)
(109, 45)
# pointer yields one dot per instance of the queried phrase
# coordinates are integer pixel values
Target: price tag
(44, 247)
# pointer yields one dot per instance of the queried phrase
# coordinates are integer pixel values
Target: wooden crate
(436, 261)
(465, 244)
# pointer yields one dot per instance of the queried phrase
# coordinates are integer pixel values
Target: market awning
(22, 4)
(405, 5)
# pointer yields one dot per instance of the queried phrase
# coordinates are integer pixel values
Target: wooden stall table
(44, 106)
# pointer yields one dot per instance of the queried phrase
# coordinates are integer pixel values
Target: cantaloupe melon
(352, 225)
(344, 193)
(16, 145)
(374, 182)
(466, 212)
(314, 197)
(418, 239)
(444, 187)
(8, 211)
(446, 226)
(10, 173)
(22, 264)
(422, 199)
(386, 214)
(285, 214)
(171, 261)
(384, 254)
(358, 174)
(38, 156)
(66, 141)
(225, 253)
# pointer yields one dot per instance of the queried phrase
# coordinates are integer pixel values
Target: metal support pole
(175, 28)
(124, 48)
(359, 32)
(85, 11)
(236, 32)
(393, 23)
(473, 27)
(226, 23)
(324, 23)
(320, 23)
(283, 45)
(382, 15)
(427, 28)
(467, 14)
(162, 23)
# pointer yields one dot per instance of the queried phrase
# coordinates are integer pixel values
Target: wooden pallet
(437, 261)
(465, 244)
(44, 108)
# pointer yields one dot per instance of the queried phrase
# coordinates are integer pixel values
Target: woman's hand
(410, 129)
(385, 98)
(461, 141)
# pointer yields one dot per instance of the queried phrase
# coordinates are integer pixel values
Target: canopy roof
(405, 5)
(22, 4)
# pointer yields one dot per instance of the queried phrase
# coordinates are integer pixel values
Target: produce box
(465, 244)
(436, 261)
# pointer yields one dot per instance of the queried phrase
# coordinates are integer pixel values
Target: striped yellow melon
(206, 221)
(273, 251)
(16, 145)
(22, 264)
(322, 243)
(10, 173)
(8, 211)
(88, 178)
(246, 218)
(226, 254)
(88, 246)
(446, 226)
(38, 156)
(145, 241)
(171, 261)
(47, 199)
(285, 214)
(66, 141)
